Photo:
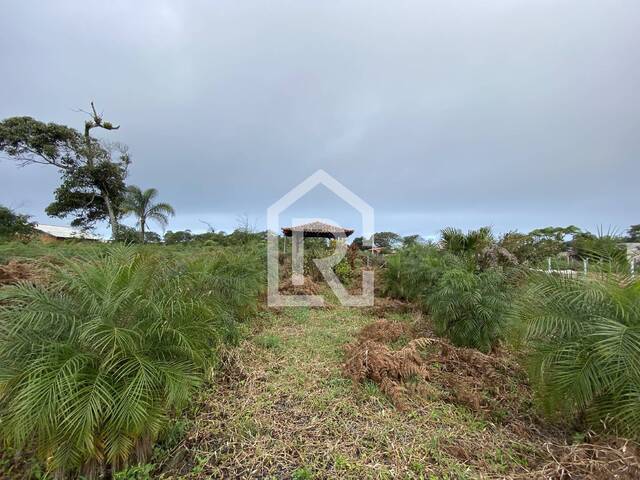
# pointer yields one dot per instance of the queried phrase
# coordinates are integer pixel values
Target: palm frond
(91, 365)
(584, 339)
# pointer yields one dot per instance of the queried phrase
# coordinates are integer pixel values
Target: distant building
(52, 233)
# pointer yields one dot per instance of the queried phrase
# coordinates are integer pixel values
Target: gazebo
(317, 230)
(309, 230)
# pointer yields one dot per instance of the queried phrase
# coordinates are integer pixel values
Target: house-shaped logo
(325, 265)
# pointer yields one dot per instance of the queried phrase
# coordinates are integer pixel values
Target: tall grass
(413, 272)
(92, 366)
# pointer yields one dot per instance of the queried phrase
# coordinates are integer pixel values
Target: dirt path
(286, 411)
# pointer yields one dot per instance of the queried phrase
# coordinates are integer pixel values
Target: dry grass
(391, 370)
(384, 331)
(309, 287)
(26, 270)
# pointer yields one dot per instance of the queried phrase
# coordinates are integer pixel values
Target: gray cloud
(516, 114)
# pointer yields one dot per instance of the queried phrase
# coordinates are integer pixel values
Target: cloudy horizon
(517, 114)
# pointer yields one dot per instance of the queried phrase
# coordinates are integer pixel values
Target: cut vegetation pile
(22, 271)
(484, 383)
(389, 369)
(493, 386)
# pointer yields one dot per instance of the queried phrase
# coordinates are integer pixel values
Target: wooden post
(297, 260)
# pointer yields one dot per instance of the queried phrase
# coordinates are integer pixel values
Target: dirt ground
(287, 405)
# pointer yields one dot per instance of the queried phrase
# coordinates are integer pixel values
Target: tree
(633, 233)
(521, 245)
(550, 241)
(140, 203)
(387, 240)
(93, 183)
(152, 237)
(412, 240)
(171, 238)
(129, 235)
(13, 224)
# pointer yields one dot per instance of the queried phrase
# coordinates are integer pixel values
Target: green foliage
(92, 185)
(36, 249)
(127, 235)
(410, 240)
(84, 190)
(633, 234)
(302, 473)
(172, 238)
(550, 241)
(522, 245)
(457, 242)
(314, 248)
(467, 305)
(604, 247)
(469, 308)
(269, 341)
(211, 238)
(412, 273)
(91, 366)
(583, 335)
(152, 237)
(358, 242)
(230, 280)
(389, 241)
(13, 224)
(24, 137)
(344, 271)
(135, 472)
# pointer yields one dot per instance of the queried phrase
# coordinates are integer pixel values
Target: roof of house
(66, 232)
(318, 229)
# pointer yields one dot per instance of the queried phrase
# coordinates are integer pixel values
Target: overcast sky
(509, 113)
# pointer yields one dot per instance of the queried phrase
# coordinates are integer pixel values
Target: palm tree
(92, 365)
(141, 205)
(459, 243)
(583, 339)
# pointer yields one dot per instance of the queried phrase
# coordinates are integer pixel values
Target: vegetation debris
(22, 271)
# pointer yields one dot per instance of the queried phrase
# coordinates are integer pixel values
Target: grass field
(282, 408)
(281, 403)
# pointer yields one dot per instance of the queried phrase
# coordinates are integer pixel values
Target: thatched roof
(318, 229)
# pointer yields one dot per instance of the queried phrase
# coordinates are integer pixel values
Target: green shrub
(412, 273)
(229, 280)
(584, 339)
(14, 225)
(469, 308)
(344, 271)
(91, 366)
(135, 472)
